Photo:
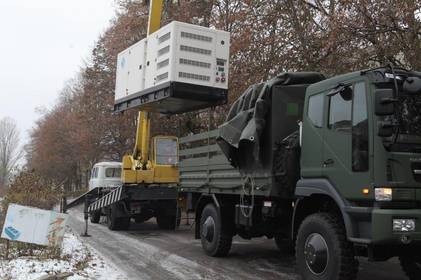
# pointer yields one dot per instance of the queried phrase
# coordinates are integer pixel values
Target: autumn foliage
(267, 37)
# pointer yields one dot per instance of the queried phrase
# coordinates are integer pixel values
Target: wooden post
(7, 249)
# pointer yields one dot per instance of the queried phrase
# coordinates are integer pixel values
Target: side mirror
(385, 100)
(412, 86)
(346, 93)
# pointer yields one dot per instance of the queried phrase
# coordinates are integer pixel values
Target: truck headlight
(383, 194)
(403, 225)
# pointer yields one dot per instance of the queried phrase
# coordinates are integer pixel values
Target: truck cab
(105, 175)
(361, 158)
(361, 142)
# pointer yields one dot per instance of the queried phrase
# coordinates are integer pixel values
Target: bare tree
(10, 152)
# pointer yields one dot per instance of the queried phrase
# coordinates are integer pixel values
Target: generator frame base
(173, 98)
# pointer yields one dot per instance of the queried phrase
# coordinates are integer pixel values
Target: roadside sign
(33, 225)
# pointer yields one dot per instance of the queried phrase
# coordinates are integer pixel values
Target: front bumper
(382, 226)
(374, 225)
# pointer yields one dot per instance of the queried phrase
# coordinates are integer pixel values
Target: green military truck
(331, 166)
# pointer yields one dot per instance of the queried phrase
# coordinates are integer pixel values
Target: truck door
(346, 161)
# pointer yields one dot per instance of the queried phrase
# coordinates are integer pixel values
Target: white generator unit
(179, 68)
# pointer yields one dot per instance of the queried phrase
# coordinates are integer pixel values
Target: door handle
(329, 161)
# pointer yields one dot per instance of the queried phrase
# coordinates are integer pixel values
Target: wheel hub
(208, 229)
(316, 253)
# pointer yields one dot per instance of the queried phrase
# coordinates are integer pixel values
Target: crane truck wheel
(215, 238)
(411, 265)
(322, 249)
(116, 221)
(169, 222)
(95, 216)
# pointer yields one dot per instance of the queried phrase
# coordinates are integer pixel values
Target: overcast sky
(43, 43)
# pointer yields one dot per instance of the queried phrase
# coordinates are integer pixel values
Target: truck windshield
(113, 172)
(408, 117)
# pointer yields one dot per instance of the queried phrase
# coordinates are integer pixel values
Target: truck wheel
(216, 240)
(114, 222)
(124, 223)
(95, 216)
(322, 249)
(165, 222)
(411, 266)
(168, 222)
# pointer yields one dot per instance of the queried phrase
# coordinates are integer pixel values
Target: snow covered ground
(83, 261)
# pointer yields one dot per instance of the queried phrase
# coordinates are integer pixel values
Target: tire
(114, 222)
(95, 216)
(124, 223)
(215, 237)
(284, 245)
(286, 164)
(139, 220)
(168, 222)
(165, 222)
(335, 259)
(411, 265)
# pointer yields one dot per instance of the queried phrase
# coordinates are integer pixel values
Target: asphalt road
(146, 252)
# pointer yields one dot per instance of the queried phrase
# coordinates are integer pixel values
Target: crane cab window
(166, 151)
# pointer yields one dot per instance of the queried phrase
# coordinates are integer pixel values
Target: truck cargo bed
(204, 168)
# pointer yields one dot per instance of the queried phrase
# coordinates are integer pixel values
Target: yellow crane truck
(177, 68)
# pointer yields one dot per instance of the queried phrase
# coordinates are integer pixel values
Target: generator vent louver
(195, 50)
(163, 63)
(196, 37)
(162, 77)
(194, 76)
(164, 37)
(195, 63)
(164, 50)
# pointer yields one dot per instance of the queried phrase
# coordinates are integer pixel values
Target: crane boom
(141, 149)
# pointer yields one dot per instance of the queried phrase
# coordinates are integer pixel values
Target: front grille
(399, 205)
(389, 172)
(416, 170)
(403, 194)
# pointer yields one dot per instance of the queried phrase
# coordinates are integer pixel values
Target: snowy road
(145, 252)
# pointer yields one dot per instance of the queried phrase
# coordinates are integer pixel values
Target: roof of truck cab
(331, 82)
(108, 163)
